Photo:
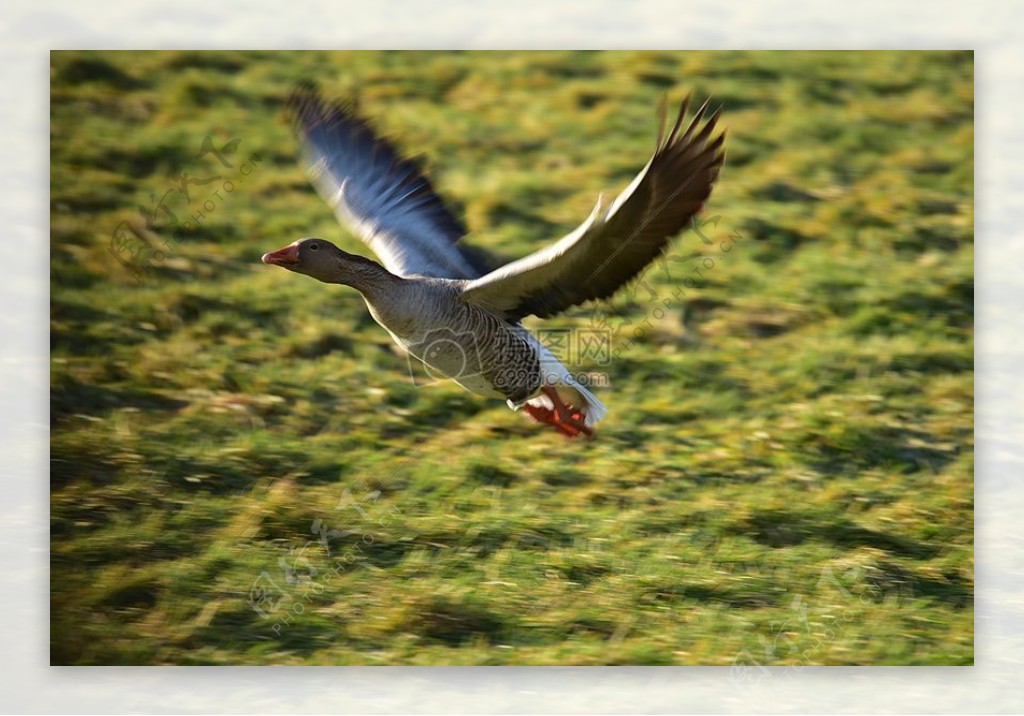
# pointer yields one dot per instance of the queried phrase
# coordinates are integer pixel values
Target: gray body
(479, 350)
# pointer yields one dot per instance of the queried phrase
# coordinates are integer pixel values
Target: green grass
(786, 475)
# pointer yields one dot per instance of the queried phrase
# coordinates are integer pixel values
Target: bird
(433, 297)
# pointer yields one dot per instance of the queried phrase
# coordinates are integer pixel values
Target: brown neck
(366, 276)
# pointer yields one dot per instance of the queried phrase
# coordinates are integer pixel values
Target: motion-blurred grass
(242, 471)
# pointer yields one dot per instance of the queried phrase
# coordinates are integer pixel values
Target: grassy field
(244, 473)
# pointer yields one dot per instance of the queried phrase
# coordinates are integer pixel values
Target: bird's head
(317, 258)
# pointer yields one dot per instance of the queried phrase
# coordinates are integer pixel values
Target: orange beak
(288, 256)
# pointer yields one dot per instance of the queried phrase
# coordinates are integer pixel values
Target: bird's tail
(578, 398)
(579, 407)
(579, 410)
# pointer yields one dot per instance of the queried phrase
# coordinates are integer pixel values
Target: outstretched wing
(379, 196)
(616, 242)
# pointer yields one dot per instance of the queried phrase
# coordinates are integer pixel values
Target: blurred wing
(617, 242)
(382, 198)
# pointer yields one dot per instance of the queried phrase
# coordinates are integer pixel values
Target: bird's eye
(314, 247)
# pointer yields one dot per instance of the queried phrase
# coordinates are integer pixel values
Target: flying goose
(430, 295)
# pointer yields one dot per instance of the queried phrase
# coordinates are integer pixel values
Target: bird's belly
(492, 369)
(441, 354)
(481, 385)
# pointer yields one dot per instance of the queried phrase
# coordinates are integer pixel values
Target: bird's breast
(480, 351)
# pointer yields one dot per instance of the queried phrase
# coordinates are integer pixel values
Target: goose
(429, 293)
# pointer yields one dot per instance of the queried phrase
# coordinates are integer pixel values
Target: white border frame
(29, 30)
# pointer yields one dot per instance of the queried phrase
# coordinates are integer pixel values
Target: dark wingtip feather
(304, 96)
(308, 109)
(305, 86)
(662, 119)
(685, 105)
